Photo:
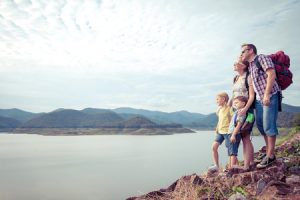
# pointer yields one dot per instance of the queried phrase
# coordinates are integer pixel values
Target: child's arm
(217, 113)
(218, 110)
(235, 132)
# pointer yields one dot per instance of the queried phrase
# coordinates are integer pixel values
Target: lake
(105, 167)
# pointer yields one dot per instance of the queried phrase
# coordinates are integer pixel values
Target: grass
(282, 138)
(241, 190)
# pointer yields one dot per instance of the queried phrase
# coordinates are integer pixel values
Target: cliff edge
(281, 180)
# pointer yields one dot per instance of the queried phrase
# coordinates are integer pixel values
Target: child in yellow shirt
(224, 114)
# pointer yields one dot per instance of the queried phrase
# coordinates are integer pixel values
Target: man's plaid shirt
(259, 77)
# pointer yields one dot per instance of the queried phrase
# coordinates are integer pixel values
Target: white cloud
(162, 55)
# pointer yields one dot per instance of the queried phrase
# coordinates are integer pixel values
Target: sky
(163, 55)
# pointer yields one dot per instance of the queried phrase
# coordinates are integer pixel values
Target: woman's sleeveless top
(239, 87)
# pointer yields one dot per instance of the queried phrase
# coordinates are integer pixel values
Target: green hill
(18, 114)
(6, 122)
(68, 118)
(179, 117)
(122, 117)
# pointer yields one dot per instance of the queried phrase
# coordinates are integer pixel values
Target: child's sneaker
(260, 157)
(213, 168)
(266, 162)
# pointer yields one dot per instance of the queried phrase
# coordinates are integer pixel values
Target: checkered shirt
(259, 77)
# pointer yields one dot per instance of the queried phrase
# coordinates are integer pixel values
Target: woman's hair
(242, 99)
(246, 63)
(251, 46)
(223, 95)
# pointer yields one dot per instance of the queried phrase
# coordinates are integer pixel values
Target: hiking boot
(226, 170)
(260, 157)
(266, 162)
(213, 168)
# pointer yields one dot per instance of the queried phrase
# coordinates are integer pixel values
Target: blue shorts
(220, 138)
(232, 148)
(266, 116)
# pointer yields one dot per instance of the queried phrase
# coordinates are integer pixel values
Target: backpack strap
(246, 80)
(235, 78)
(257, 64)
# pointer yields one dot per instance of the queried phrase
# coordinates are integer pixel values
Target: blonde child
(224, 114)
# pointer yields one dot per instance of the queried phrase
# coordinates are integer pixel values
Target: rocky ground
(281, 180)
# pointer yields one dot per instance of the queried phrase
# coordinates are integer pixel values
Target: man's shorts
(266, 116)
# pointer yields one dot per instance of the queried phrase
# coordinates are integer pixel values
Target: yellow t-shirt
(224, 114)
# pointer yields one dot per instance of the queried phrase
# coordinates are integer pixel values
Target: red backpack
(281, 63)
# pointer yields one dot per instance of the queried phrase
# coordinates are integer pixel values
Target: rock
(212, 173)
(243, 179)
(281, 180)
(260, 186)
(234, 170)
(293, 179)
(237, 196)
(276, 189)
(295, 170)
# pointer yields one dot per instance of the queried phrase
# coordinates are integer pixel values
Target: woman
(243, 87)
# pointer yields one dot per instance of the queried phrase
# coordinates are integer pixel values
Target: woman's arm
(250, 100)
(235, 132)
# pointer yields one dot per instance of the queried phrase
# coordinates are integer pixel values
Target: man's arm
(271, 76)
(269, 69)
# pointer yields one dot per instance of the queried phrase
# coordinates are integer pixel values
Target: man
(267, 99)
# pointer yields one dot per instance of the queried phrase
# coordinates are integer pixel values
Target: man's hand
(266, 100)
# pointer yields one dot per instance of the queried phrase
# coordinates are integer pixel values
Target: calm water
(35, 167)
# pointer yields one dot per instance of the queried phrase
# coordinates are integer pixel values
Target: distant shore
(98, 131)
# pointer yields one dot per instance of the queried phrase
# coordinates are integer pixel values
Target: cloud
(165, 55)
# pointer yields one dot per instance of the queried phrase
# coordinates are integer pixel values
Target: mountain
(290, 109)
(97, 111)
(208, 122)
(286, 119)
(139, 122)
(180, 117)
(65, 118)
(68, 118)
(18, 114)
(122, 117)
(6, 122)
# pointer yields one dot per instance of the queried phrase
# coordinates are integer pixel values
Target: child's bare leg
(215, 148)
(233, 161)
